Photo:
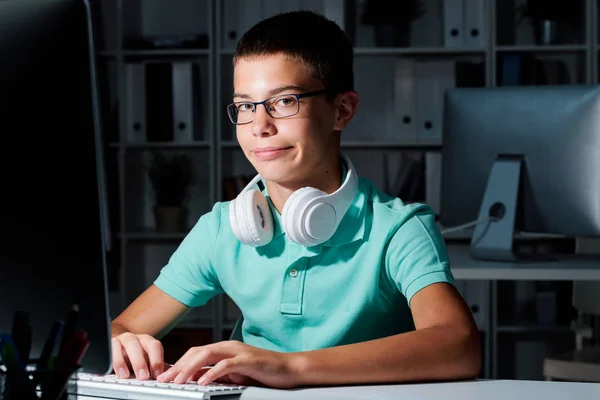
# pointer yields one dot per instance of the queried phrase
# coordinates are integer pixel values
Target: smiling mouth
(270, 153)
(269, 149)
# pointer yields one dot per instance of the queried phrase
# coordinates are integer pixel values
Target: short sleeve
(189, 275)
(417, 255)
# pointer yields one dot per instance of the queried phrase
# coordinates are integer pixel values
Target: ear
(346, 105)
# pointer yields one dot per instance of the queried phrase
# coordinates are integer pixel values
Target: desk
(472, 390)
(464, 267)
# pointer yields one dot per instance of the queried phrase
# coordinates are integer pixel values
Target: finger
(137, 356)
(193, 360)
(119, 362)
(199, 373)
(222, 368)
(155, 352)
(168, 374)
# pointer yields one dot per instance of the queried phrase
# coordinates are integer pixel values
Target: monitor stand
(493, 240)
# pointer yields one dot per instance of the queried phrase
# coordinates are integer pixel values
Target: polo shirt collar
(351, 228)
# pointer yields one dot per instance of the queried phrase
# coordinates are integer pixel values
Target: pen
(65, 364)
(70, 325)
(49, 344)
(21, 335)
(16, 378)
(70, 356)
(10, 353)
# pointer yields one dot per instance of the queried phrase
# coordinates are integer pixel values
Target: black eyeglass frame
(257, 103)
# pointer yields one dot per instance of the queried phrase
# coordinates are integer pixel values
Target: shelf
(421, 144)
(161, 145)
(155, 52)
(533, 328)
(152, 236)
(542, 49)
(384, 51)
(417, 144)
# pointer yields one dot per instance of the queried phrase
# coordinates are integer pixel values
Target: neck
(328, 178)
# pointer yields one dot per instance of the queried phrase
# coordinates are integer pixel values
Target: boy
(375, 302)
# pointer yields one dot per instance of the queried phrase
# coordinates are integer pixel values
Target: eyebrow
(272, 92)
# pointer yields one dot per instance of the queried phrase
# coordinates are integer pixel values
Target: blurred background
(166, 76)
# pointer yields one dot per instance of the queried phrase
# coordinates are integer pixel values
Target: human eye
(242, 107)
(286, 101)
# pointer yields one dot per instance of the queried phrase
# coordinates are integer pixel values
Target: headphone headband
(309, 217)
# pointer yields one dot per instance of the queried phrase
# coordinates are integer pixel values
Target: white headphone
(310, 216)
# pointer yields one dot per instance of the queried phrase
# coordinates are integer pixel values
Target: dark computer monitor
(52, 206)
(528, 154)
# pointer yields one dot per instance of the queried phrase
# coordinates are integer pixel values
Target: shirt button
(293, 272)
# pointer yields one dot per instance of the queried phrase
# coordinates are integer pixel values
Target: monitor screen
(52, 213)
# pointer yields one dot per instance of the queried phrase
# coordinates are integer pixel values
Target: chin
(274, 173)
(277, 170)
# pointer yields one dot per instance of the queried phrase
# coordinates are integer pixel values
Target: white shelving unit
(380, 128)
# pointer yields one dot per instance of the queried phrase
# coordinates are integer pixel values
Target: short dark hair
(308, 37)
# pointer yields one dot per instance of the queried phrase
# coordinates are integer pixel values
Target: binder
(453, 23)
(476, 295)
(229, 34)
(404, 100)
(135, 89)
(184, 109)
(475, 28)
(433, 79)
(269, 7)
(248, 14)
(238, 17)
(433, 180)
(334, 10)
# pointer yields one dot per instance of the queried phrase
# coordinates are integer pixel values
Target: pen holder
(46, 384)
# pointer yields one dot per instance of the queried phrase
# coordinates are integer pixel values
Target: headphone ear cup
(238, 221)
(257, 214)
(295, 212)
(235, 226)
(251, 218)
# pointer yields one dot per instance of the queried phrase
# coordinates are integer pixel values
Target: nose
(262, 124)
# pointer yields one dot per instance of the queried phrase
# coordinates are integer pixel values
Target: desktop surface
(472, 390)
(567, 268)
(460, 390)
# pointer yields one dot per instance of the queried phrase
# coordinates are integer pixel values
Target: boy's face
(295, 148)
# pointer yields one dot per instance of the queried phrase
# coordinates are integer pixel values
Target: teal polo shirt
(355, 287)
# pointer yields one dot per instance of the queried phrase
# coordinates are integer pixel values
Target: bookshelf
(395, 117)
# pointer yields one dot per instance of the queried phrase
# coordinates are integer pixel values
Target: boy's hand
(234, 362)
(141, 355)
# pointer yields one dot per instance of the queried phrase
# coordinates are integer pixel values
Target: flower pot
(170, 219)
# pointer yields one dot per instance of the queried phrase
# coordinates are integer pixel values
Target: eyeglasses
(281, 106)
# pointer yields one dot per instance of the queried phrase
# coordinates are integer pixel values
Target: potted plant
(392, 20)
(171, 178)
(552, 20)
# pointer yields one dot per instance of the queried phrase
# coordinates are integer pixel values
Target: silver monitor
(528, 157)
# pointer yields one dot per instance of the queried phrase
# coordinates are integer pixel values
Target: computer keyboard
(111, 385)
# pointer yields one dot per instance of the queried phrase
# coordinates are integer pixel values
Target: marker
(70, 325)
(15, 367)
(10, 353)
(72, 354)
(49, 344)
(21, 335)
